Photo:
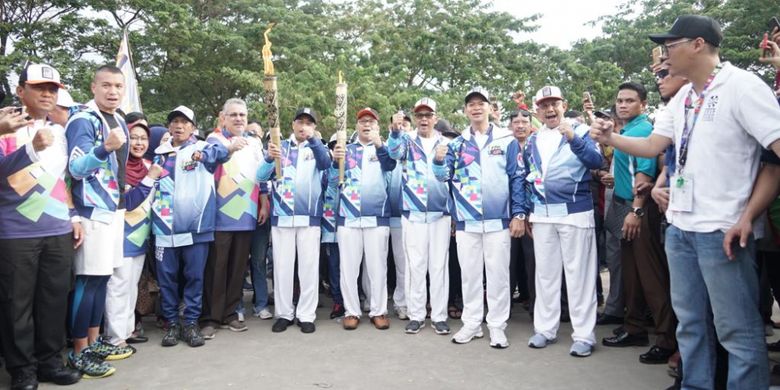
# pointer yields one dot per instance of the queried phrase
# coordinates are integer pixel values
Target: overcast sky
(562, 21)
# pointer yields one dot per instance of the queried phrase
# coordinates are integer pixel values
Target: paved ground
(369, 358)
(333, 358)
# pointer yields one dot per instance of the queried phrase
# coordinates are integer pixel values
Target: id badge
(681, 194)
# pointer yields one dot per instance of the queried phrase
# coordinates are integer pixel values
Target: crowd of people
(97, 205)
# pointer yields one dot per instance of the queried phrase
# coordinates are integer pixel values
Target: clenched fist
(237, 144)
(273, 151)
(116, 138)
(43, 139)
(154, 172)
(601, 131)
(565, 129)
(339, 152)
(441, 152)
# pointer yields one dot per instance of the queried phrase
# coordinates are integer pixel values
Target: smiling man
(481, 166)
(295, 221)
(38, 232)
(426, 219)
(556, 167)
(718, 124)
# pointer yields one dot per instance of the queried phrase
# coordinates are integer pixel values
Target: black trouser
(522, 268)
(35, 277)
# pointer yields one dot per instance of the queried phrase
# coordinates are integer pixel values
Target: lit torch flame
(268, 65)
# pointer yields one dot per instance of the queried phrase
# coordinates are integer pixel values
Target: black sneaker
(306, 327)
(280, 325)
(24, 379)
(61, 375)
(172, 335)
(191, 335)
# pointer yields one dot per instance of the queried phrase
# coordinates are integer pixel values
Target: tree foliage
(392, 52)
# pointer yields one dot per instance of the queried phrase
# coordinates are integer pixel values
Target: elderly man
(557, 161)
(426, 222)
(364, 219)
(38, 232)
(295, 222)
(717, 123)
(481, 165)
(237, 209)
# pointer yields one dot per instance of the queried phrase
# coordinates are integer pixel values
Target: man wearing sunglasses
(426, 221)
(718, 123)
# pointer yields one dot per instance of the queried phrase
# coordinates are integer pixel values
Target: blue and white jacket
(138, 217)
(563, 187)
(363, 200)
(184, 210)
(487, 188)
(297, 196)
(425, 199)
(95, 185)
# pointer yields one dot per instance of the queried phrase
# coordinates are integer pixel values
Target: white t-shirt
(739, 115)
(480, 138)
(428, 144)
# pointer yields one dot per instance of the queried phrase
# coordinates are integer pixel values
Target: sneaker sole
(476, 336)
(412, 331)
(209, 336)
(442, 332)
(118, 357)
(580, 355)
(534, 346)
(238, 330)
(106, 374)
(499, 346)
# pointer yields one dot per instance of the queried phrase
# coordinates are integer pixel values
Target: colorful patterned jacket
(298, 195)
(95, 187)
(34, 198)
(138, 217)
(184, 208)
(563, 187)
(363, 199)
(425, 199)
(487, 188)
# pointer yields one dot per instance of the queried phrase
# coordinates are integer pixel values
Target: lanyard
(688, 130)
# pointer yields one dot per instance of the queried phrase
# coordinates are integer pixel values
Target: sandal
(454, 313)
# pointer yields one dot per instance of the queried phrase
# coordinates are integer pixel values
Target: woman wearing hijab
(123, 285)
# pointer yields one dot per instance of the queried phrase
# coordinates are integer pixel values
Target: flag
(131, 101)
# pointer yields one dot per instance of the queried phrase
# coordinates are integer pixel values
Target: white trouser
(399, 259)
(121, 294)
(427, 252)
(101, 250)
(285, 242)
(491, 251)
(573, 250)
(353, 243)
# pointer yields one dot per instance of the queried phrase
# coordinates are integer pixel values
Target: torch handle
(270, 97)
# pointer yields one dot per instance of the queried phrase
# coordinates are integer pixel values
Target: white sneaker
(466, 334)
(401, 312)
(498, 338)
(264, 314)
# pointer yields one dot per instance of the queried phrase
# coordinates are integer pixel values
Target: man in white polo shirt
(718, 124)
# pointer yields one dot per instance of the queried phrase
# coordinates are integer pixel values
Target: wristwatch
(639, 212)
(520, 216)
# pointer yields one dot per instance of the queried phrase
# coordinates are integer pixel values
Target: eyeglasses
(236, 115)
(661, 74)
(667, 46)
(367, 121)
(423, 115)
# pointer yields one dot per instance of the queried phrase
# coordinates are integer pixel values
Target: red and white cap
(425, 103)
(40, 74)
(548, 92)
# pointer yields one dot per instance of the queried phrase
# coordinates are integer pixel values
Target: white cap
(64, 99)
(548, 92)
(425, 102)
(40, 74)
(182, 110)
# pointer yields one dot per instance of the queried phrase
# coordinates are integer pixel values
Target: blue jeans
(714, 297)
(258, 266)
(193, 257)
(332, 250)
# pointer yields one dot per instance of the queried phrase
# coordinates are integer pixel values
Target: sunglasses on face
(661, 74)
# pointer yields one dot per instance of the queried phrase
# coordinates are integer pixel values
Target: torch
(271, 98)
(341, 121)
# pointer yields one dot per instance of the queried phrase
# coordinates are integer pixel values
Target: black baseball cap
(306, 111)
(692, 26)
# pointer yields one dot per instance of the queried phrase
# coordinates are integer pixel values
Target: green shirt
(627, 166)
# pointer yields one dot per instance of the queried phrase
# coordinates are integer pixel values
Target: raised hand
(155, 171)
(116, 138)
(43, 139)
(601, 130)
